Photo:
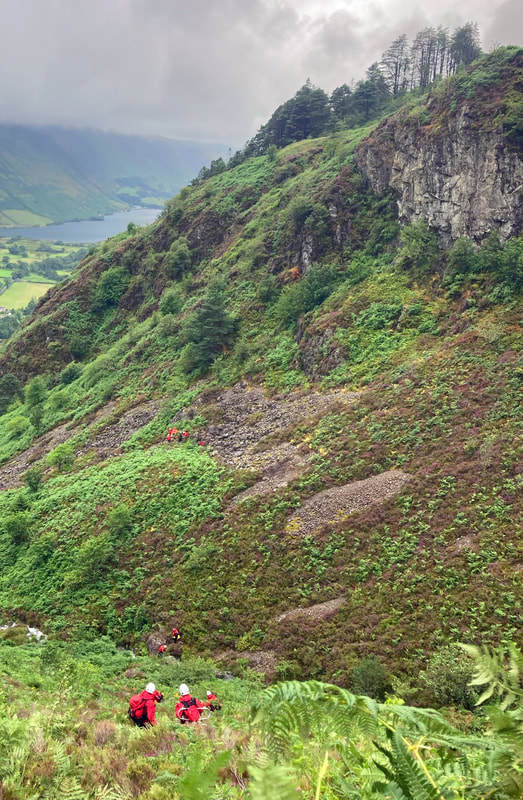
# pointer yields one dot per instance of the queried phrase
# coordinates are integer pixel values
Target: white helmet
(209, 694)
(184, 689)
(151, 688)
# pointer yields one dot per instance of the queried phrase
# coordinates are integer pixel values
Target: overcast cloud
(203, 69)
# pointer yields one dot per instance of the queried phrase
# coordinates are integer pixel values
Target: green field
(20, 293)
(33, 248)
(18, 216)
(33, 266)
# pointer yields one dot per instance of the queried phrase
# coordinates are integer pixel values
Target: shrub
(290, 305)
(178, 259)
(101, 367)
(419, 247)
(10, 388)
(36, 415)
(35, 392)
(208, 330)
(268, 289)
(17, 527)
(70, 373)
(371, 678)
(298, 210)
(120, 520)
(505, 262)
(59, 400)
(79, 345)
(172, 301)
(305, 295)
(446, 678)
(16, 426)
(62, 457)
(110, 287)
(462, 257)
(33, 478)
(94, 557)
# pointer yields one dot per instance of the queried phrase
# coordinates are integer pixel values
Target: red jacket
(210, 699)
(150, 705)
(191, 714)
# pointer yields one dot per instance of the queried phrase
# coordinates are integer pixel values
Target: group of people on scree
(142, 707)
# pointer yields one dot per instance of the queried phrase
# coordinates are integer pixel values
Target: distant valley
(55, 174)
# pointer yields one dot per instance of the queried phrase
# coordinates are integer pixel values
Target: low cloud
(204, 69)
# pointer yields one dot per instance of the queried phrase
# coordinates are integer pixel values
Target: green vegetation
(20, 293)
(282, 274)
(29, 269)
(65, 733)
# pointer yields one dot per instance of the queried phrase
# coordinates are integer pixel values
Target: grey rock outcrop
(464, 180)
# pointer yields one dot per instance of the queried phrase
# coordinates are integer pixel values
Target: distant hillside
(57, 174)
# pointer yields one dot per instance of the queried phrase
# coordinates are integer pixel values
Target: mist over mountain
(57, 174)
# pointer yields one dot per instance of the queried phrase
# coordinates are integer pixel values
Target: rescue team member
(212, 702)
(142, 707)
(162, 649)
(188, 708)
(174, 433)
(176, 635)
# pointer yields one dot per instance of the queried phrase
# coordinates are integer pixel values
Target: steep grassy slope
(56, 174)
(359, 358)
(65, 734)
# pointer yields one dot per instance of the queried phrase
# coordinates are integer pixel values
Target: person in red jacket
(162, 649)
(188, 708)
(176, 635)
(142, 707)
(212, 702)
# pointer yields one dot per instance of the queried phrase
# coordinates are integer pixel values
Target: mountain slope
(55, 174)
(350, 392)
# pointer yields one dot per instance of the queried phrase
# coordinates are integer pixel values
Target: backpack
(192, 712)
(137, 709)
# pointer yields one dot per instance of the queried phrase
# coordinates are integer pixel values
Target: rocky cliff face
(464, 180)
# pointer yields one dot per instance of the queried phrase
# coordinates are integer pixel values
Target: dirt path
(316, 612)
(335, 504)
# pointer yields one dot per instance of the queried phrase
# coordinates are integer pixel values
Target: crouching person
(188, 708)
(212, 702)
(142, 707)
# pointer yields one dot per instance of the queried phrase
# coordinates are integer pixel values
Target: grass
(65, 733)
(20, 293)
(433, 356)
(16, 217)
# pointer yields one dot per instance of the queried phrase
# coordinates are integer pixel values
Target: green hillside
(345, 506)
(53, 174)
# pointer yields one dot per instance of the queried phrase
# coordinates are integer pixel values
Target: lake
(87, 230)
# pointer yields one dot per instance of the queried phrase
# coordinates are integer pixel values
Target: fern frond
(500, 670)
(273, 783)
(70, 789)
(111, 793)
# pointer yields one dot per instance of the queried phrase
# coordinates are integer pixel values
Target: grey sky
(200, 68)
